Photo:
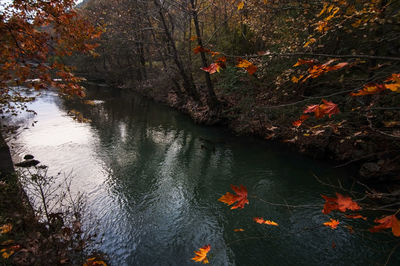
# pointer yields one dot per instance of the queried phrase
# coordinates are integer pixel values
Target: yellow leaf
(201, 254)
(391, 123)
(310, 41)
(6, 255)
(271, 223)
(323, 9)
(296, 80)
(193, 38)
(357, 23)
(6, 228)
(240, 5)
(265, 2)
(393, 87)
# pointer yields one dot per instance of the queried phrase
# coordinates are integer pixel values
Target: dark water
(153, 178)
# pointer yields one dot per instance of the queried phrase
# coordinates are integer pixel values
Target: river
(152, 179)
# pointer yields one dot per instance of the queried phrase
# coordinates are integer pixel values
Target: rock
(28, 157)
(369, 169)
(27, 163)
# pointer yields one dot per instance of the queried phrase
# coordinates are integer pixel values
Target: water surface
(153, 177)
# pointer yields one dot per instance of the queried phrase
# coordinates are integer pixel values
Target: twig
(320, 55)
(391, 253)
(285, 205)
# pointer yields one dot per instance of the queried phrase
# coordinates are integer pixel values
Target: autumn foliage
(387, 222)
(240, 199)
(35, 38)
(201, 254)
(340, 203)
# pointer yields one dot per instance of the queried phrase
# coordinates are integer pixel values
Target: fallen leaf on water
(386, 222)
(238, 230)
(240, 198)
(332, 224)
(341, 203)
(201, 254)
(261, 220)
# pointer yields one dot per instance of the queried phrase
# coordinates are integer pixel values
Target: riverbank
(24, 240)
(370, 153)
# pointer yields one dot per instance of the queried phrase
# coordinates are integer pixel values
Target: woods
(320, 76)
(261, 67)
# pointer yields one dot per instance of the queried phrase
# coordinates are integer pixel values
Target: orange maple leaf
(250, 67)
(326, 108)
(299, 122)
(341, 203)
(201, 254)
(240, 198)
(389, 221)
(212, 68)
(369, 89)
(261, 220)
(332, 224)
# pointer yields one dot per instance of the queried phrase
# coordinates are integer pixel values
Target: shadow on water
(153, 178)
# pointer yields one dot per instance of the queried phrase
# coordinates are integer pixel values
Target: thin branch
(387, 58)
(391, 253)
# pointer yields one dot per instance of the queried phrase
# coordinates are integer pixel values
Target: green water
(152, 178)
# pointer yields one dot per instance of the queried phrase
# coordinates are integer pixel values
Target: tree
(36, 36)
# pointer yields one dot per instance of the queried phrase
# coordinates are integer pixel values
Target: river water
(153, 178)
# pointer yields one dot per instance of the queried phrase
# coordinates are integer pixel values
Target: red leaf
(341, 203)
(326, 108)
(298, 123)
(240, 198)
(212, 68)
(389, 221)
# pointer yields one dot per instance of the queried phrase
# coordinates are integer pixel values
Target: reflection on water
(153, 179)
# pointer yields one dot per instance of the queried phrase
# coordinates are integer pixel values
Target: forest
(323, 75)
(320, 78)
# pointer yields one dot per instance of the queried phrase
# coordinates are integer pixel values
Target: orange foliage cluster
(341, 203)
(33, 34)
(344, 203)
(316, 70)
(320, 110)
(240, 198)
(392, 83)
(386, 222)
